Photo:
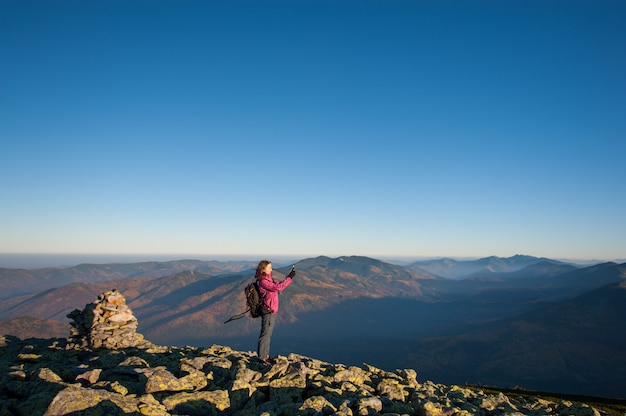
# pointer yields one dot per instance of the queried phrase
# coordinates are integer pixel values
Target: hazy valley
(519, 321)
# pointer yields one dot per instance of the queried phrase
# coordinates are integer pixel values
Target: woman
(269, 289)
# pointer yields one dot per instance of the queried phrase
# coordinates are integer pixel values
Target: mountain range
(463, 269)
(521, 321)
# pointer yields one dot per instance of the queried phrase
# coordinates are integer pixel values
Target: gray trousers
(267, 327)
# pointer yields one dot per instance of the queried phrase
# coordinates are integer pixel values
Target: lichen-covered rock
(77, 399)
(317, 405)
(48, 375)
(160, 379)
(244, 378)
(392, 389)
(199, 403)
(90, 376)
(150, 406)
(368, 404)
(163, 381)
(576, 409)
(354, 375)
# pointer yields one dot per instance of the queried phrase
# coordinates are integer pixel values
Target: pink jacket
(269, 288)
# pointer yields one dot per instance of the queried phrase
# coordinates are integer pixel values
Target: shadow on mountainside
(574, 346)
(365, 329)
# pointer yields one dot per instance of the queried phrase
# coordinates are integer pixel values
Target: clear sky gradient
(305, 128)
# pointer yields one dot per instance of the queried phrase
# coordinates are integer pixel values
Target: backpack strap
(238, 316)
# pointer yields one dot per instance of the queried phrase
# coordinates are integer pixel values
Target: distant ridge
(16, 282)
(32, 327)
(462, 269)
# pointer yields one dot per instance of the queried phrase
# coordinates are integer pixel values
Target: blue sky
(304, 128)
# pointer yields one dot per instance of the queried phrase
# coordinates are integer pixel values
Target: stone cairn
(105, 323)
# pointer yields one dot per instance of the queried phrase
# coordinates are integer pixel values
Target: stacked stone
(105, 323)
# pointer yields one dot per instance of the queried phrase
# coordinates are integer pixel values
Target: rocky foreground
(45, 377)
(106, 367)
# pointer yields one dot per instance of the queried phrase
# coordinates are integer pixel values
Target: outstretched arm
(275, 286)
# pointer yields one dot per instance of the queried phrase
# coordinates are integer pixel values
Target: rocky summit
(89, 374)
(43, 377)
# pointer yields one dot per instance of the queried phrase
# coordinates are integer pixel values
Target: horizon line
(43, 260)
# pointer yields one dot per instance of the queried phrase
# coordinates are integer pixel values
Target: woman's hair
(260, 274)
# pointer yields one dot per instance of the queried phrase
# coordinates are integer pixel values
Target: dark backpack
(254, 303)
(254, 300)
